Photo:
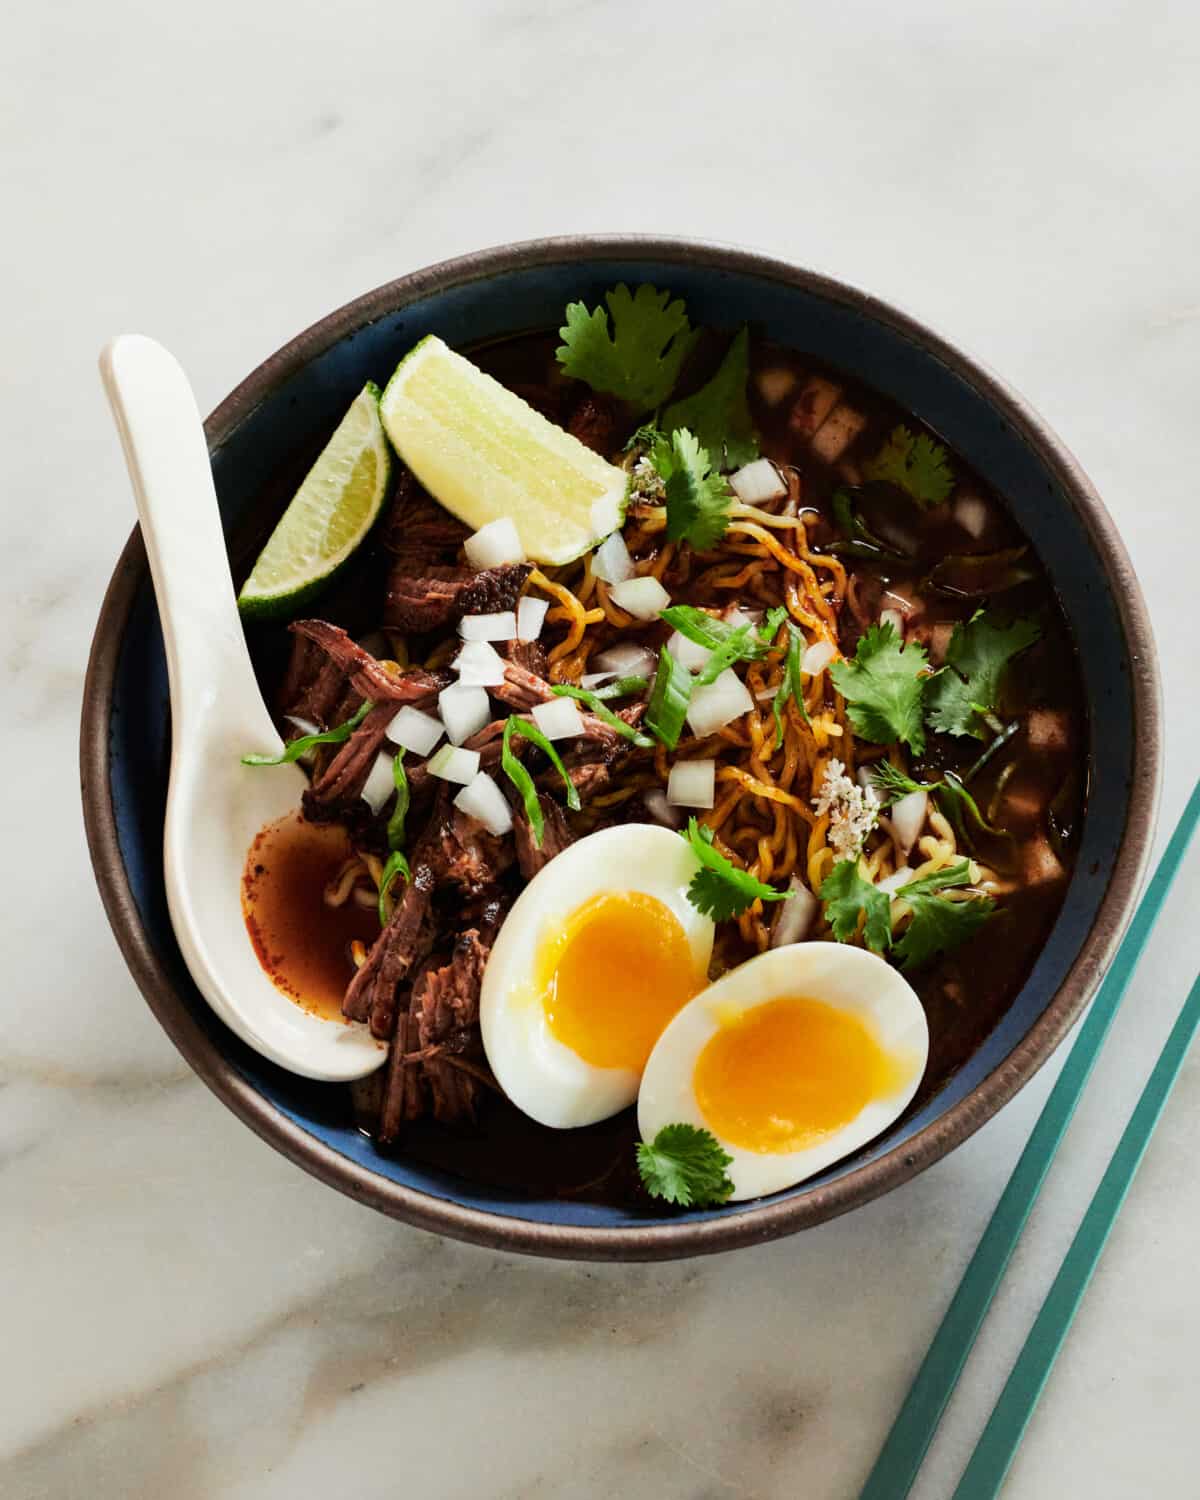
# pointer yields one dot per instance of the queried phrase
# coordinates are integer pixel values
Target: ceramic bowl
(273, 423)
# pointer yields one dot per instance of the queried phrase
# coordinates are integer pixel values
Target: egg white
(850, 980)
(541, 1075)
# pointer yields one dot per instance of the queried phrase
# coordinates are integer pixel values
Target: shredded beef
(406, 940)
(528, 654)
(366, 673)
(436, 595)
(521, 688)
(594, 422)
(556, 836)
(418, 528)
(315, 687)
(336, 788)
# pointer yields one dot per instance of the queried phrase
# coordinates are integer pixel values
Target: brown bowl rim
(754, 1224)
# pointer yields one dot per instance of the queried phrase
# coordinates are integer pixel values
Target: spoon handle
(167, 457)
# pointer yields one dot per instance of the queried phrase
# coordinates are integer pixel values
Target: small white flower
(646, 481)
(853, 811)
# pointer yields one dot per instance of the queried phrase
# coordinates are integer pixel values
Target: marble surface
(183, 1312)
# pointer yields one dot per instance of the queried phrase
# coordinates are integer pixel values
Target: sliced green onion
(669, 699)
(396, 865)
(523, 781)
(622, 688)
(395, 828)
(741, 645)
(614, 721)
(790, 683)
(702, 628)
(296, 748)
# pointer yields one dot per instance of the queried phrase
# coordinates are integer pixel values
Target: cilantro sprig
(884, 688)
(967, 692)
(719, 412)
(698, 500)
(935, 924)
(719, 889)
(685, 1165)
(640, 357)
(916, 464)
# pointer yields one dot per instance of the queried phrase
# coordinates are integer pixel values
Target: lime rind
(328, 517)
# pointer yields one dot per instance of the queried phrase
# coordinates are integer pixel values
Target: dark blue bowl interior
(302, 412)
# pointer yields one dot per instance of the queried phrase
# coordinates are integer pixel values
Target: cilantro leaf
(719, 889)
(917, 464)
(641, 358)
(848, 898)
(883, 688)
(937, 925)
(960, 697)
(686, 1165)
(669, 699)
(698, 500)
(719, 413)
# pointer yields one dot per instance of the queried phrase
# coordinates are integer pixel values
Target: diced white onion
(454, 764)
(611, 560)
(643, 598)
(894, 618)
(413, 730)
(494, 545)
(379, 784)
(531, 615)
(660, 809)
(594, 679)
(773, 385)
(464, 710)
(481, 798)
(718, 704)
(817, 657)
(971, 513)
(794, 916)
(692, 783)
(627, 660)
(559, 719)
(907, 817)
(688, 653)
(894, 881)
(479, 664)
(497, 627)
(758, 482)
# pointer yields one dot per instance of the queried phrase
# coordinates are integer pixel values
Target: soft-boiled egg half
(792, 1061)
(598, 953)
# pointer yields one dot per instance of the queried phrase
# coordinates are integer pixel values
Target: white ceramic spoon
(215, 805)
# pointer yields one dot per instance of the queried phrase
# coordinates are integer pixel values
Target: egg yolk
(788, 1073)
(614, 976)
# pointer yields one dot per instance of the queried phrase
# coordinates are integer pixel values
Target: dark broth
(1034, 787)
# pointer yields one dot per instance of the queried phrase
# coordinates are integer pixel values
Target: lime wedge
(328, 516)
(485, 453)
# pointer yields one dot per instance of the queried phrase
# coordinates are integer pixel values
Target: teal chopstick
(907, 1443)
(1010, 1416)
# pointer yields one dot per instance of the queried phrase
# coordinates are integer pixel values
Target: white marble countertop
(183, 1313)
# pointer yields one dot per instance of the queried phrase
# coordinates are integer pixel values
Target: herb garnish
(916, 464)
(848, 899)
(884, 687)
(294, 749)
(790, 684)
(685, 1165)
(641, 358)
(396, 862)
(719, 413)
(669, 699)
(719, 889)
(523, 781)
(858, 540)
(966, 693)
(698, 500)
(593, 701)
